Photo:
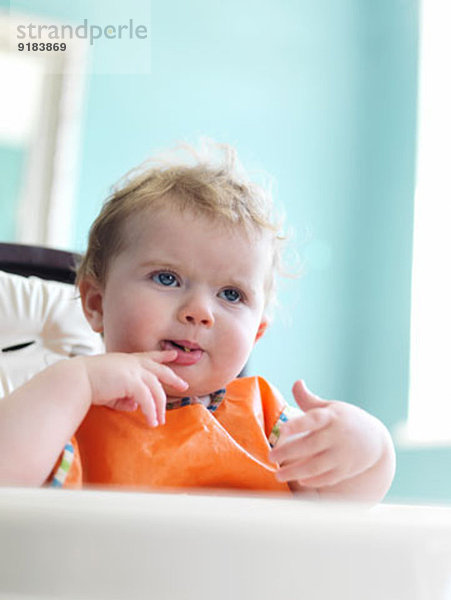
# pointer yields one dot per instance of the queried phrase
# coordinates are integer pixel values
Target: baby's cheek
(238, 358)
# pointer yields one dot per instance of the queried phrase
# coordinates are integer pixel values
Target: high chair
(41, 319)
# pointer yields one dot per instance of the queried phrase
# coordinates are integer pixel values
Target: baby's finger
(125, 404)
(305, 399)
(301, 446)
(165, 374)
(306, 469)
(158, 396)
(161, 356)
(144, 397)
(311, 421)
(331, 477)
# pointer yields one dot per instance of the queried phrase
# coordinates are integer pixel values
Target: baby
(179, 278)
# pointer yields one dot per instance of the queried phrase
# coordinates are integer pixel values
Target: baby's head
(184, 255)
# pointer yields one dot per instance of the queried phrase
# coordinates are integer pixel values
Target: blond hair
(211, 183)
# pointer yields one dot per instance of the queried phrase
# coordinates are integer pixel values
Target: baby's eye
(231, 295)
(165, 278)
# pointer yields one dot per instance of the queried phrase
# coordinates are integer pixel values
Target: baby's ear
(91, 293)
(262, 328)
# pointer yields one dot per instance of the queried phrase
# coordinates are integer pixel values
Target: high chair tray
(115, 545)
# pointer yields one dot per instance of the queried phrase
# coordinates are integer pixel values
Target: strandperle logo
(85, 31)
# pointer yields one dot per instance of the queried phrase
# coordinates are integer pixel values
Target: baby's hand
(332, 442)
(125, 381)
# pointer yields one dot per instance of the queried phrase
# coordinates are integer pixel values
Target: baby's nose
(197, 312)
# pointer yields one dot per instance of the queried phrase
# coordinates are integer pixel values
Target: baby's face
(186, 283)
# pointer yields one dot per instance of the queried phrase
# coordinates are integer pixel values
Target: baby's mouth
(184, 345)
(184, 348)
(188, 353)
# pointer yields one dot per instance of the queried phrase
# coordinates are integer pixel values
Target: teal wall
(12, 158)
(323, 96)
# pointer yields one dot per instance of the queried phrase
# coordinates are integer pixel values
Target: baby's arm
(38, 418)
(335, 449)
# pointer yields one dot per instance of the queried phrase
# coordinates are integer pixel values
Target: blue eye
(165, 278)
(231, 295)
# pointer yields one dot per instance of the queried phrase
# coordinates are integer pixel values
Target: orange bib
(196, 448)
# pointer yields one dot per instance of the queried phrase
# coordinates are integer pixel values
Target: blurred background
(321, 95)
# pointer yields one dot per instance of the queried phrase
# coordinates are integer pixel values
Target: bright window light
(19, 100)
(429, 419)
